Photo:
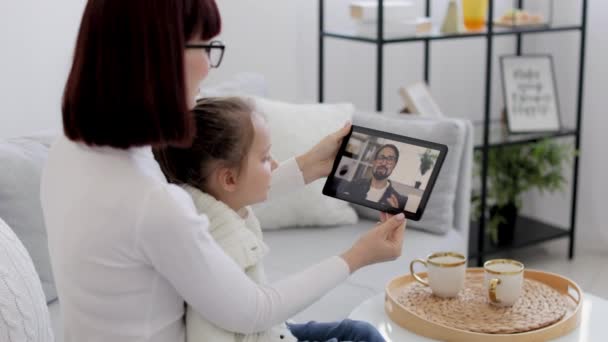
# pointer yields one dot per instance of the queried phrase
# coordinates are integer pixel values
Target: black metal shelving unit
(528, 231)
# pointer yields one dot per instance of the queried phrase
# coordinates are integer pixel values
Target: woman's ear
(227, 179)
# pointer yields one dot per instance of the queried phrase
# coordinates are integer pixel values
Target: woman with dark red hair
(127, 248)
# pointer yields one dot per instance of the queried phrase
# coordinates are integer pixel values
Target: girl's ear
(227, 178)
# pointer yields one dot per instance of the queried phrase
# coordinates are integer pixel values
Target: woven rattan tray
(559, 299)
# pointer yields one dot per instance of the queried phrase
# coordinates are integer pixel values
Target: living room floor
(586, 269)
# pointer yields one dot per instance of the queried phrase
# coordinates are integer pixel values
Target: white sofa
(292, 249)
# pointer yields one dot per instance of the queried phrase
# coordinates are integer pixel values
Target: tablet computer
(385, 171)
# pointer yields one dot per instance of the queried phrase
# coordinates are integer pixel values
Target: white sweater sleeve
(286, 178)
(175, 240)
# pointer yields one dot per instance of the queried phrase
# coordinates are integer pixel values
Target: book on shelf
(367, 11)
(402, 28)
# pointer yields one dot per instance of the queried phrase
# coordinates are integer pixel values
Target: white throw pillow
(438, 216)
(295, 129)
(23, 312)
(21, 163)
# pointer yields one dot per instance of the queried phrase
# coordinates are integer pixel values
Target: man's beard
(379, 175)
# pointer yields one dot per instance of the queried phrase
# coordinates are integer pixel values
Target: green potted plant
(427, 160)
(513, 170)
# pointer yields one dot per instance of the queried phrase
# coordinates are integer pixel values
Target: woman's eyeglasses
(214, 50)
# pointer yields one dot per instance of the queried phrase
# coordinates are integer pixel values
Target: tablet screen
(384, 171)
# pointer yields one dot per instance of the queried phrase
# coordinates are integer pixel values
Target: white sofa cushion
(23, 312)
(294, 129)
(439, 215)
(21, 163)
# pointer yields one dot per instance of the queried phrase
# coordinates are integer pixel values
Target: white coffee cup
(504, 280)
(445, 273)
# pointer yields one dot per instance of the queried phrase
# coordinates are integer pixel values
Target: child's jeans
(346, 330)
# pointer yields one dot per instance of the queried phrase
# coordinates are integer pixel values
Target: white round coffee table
(593, 327)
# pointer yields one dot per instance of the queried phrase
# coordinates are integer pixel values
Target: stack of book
(400, 18)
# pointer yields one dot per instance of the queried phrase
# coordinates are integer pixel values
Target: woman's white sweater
(128, 249)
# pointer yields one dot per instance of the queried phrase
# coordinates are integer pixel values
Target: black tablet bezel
(330, 190)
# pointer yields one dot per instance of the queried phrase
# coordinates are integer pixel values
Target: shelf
(528, 232)
(499, 137)
(498, 31)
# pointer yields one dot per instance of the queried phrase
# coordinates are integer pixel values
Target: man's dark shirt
(358, 189)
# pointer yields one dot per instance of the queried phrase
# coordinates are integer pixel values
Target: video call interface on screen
(384, 171)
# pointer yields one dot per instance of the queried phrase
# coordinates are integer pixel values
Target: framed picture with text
(530, 94)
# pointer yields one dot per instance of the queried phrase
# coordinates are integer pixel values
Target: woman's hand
(382, 243)
(384, 217)
(318, 161)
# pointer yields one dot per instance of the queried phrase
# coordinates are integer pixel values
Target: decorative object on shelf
(427, 160)
(513, 170)
(418, 100)
(452, 20)
(474, 13)
(520, 18)
(536, 13)
(367, 11)
(530, 93)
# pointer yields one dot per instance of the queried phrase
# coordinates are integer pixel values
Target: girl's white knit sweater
(241, 238)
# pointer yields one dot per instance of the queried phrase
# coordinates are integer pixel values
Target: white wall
(37, 40)
(278, 39)
(593, 208)
(260, 37)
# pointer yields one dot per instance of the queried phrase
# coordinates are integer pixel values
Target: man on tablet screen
(378, 188)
